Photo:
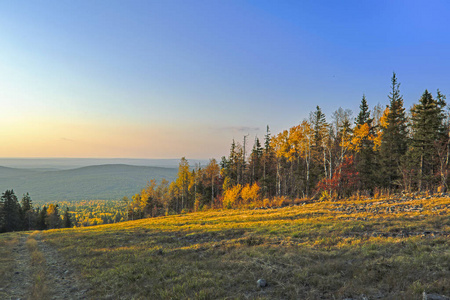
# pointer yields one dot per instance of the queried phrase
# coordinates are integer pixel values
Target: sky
(167, 79)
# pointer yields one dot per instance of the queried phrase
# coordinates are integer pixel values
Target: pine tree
(255, 164)
(53, 220)
(320, 134)
(365, 157)
(67, 219)
(428, 132)
(28, 215)
(41, 224)
(268, 161)
(10, 212)
(364, 113)
(394, 142)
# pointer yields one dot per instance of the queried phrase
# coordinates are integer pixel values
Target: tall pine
(394, 143)
(428, 135)
(365, 157)
(10, 212)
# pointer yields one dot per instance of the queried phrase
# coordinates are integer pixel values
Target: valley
(105, 182)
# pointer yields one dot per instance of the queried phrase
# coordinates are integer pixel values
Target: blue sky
(165, 79)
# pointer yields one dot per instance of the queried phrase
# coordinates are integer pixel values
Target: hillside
(93, 182)
(395, 248)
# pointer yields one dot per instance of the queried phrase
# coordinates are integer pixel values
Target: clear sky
(165, 79)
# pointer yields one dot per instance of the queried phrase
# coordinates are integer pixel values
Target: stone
(434, 297)
(261, 283)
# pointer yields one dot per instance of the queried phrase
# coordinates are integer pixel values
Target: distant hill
(106, 182)
(72, 163)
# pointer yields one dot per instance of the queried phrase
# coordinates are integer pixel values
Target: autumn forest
(386, 149)
(383, 150)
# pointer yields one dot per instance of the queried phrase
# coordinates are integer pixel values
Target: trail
(62, 281)
(19, 284)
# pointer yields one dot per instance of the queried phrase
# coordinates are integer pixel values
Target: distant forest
(383, 150)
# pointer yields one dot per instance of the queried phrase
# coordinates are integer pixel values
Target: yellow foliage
(360, 133)
(280, 144)
(379, 136)
(231, 196)
(384, 118)
(250, 193)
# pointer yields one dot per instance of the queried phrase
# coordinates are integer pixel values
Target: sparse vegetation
(386, 248)
(7, 243)
(39, 289)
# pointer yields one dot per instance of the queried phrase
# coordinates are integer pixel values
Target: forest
(383, 150)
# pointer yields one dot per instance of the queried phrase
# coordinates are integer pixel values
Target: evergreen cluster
(15, 216)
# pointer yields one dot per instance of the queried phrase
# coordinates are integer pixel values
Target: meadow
(388, 248)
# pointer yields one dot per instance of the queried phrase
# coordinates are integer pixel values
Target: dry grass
(380, 248)
(39, 289)
(8, 241)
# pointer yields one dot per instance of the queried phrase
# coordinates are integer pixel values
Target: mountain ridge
(103, 182)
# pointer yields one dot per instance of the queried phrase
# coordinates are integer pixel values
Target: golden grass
(8, 241)
(39, 289)
(378, 248)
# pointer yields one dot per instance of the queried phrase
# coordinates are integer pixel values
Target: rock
(434, 297)
(261, 283)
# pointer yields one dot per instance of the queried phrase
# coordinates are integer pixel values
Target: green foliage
(394, 140)
(10, 212)
(429, 139)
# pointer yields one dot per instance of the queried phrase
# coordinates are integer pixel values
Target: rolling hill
(107, 182)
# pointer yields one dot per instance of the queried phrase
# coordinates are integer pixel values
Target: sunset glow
(166, 79)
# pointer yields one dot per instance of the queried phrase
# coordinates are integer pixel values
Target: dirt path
(19, 284)
(62, 281)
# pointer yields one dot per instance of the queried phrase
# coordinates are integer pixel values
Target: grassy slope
(378, 248)
(94, 182)
(7, 243)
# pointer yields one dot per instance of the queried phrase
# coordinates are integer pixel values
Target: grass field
(380, 249)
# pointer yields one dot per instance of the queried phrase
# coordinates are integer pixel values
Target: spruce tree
(365, 158)
(428, 132)
(42, 215)
(364, 113)
(67, 220)
(10, 212)
(320, 132)
(394, 139)
(28, 215)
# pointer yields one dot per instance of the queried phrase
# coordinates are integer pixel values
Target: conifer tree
(320, 134)
(255, 165)
(394, 142)
(10, 212)
(53, 220)
(28, 215)
(365, 156)
(428, 132)
(268, 160)
(67, 219)
(364, 113)
(41, 223)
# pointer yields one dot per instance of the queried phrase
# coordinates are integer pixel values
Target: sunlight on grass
(7, 243)
(377, 247)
